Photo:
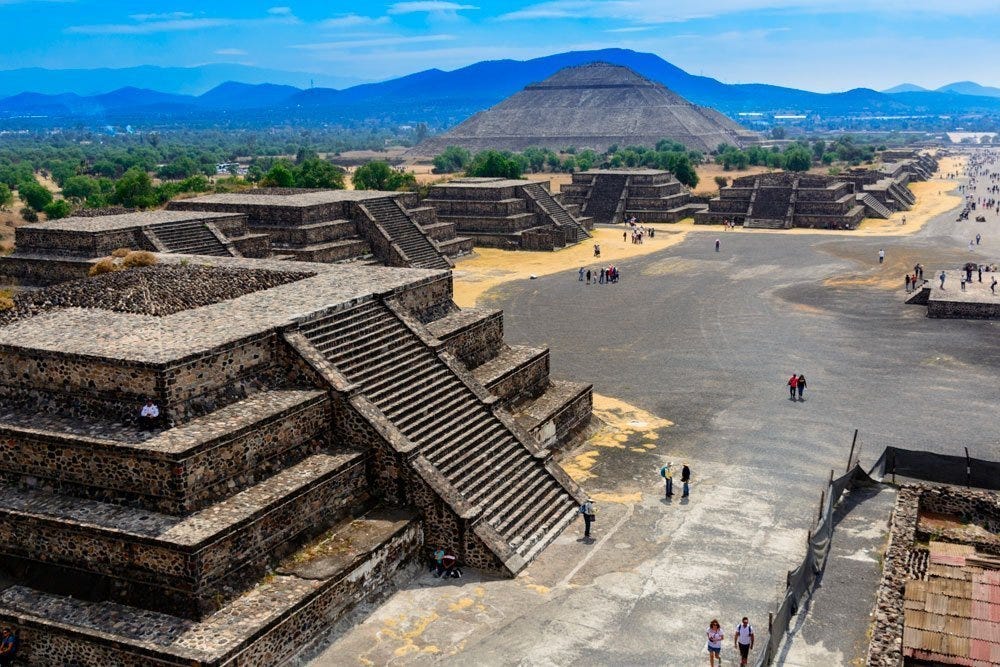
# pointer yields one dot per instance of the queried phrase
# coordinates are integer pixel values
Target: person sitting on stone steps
(9, 643)
(149, 416)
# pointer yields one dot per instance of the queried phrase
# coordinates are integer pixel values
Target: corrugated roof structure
(953, 616)
(591, 106)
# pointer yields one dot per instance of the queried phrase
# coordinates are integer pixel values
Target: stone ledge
(265, 626)
(517, 374)
(169, 471)
(181, 565)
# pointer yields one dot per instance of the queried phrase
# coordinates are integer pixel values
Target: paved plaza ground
(706, 340)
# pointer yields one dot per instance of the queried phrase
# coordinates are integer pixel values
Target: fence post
(968, 469)
(822, 497)
(850, 457)
(770, 622)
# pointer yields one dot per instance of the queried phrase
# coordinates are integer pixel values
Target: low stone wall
(253, 245)
(477, 339)
(523, 382)
(428, 300)
(963, 310)
(476, 208)
(170, 574)
(542, 239)
(367, 576)
(480, 193)
(152, 476)
(42, 271)
(64, 243)
(558, 428)
(507, 225)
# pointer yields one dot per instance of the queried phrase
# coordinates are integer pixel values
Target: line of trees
(798, 156)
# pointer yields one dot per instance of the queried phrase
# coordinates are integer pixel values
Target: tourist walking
(743, 638)
(718, 243)
(685, 480)
(587, 510)
(668, 479)
(942, 277)
(800, 384)
(971, 246)
(979, 237)
(881, 255)
(581, 274)
(597, 250)
(793, 382)
(993, 286)
(715, 638)
(588, 276)
(907, 283)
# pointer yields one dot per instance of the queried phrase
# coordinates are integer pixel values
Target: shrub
(139, 258)
(106, 265)
(60, 208)
(29, 214)
(120, 252)
(6, 299)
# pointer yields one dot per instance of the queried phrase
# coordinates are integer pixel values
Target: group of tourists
(604, 275)
(743, 641)
(638, 233)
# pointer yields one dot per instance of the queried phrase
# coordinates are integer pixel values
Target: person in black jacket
(685, 478)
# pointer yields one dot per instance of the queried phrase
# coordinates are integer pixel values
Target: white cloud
(280, 11)
(373, 41)
(161, 17)
(353, 21)
(230, 52)
(428, 6)
(147, 24)
(632, 28)
(644, 11)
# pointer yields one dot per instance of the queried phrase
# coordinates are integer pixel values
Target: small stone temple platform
(610, 196)
(507, 213)
(50, 252)
(389, 228)
(323, 427)
(783, 200)
(977, 302)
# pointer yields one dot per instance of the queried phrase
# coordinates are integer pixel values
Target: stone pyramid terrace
(324, 427)
(50, 252)
(611, 196)
(507, 213)
(389, 228)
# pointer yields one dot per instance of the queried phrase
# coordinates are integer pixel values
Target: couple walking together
(796, 383)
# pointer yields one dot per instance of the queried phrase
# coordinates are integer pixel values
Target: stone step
(469, 457)
(333, 343)
(472, 335)
(172, 471)
(330, 251)
(427, 376)
(269, 624)
(534, 509)
(559, 414)
(561, 515)
(501, 456)
(519, 373)
(517, 469)
(180, 565)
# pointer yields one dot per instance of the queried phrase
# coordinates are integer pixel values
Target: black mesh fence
(801, 579)
(940, 468)
(895, 462)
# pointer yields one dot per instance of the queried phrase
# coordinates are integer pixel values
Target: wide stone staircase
(602, 203)
(414, 242)
(487, 466)
(189, 238)
(874, 206)
(558, 214)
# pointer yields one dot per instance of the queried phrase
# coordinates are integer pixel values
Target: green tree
(135, 190)
(279, 176)
(34, 195)
(29, 214)
(6, 196)
(722, 181)
(60, 208)
(798, 158)
(80, 187)
(379, 175)
(454, 158)
(495, 163)
(317, 173)
(569, 165)
(305, 153)
(778, 132)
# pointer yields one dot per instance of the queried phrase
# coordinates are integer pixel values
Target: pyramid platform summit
(591, 106)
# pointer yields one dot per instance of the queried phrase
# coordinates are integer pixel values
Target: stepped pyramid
(591, 106)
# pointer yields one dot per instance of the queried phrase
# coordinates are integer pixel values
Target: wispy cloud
(148, 24)
(230, 52)
(373, 41)
(428, 6)
(353, 21)
(644, 11)
(632, 28)
(280, 11)
(161, 17)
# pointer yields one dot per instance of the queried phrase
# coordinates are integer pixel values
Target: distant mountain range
(443, 99)
(958, 88)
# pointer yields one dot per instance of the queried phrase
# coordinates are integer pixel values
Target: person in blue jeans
(685, 479)
(8, 647)
(668, 476)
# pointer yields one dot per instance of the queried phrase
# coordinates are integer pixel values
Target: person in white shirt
(715, 638)
(744, 639)
(149, 416)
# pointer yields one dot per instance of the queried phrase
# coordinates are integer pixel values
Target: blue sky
(819, 45)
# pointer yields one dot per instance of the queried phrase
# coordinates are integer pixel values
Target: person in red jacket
(793, 382)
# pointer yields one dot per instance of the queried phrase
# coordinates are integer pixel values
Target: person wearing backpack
(668, 477)
(587, 510)
(743, 637)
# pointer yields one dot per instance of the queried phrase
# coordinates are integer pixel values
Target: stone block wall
(32, 271)
(963, 310)
(476, 342)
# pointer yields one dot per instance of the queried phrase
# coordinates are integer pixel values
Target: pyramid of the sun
(591, 106)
